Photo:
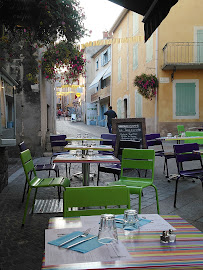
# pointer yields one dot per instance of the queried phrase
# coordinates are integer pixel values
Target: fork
(84, 234)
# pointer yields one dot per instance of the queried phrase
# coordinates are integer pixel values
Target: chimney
(105, 34)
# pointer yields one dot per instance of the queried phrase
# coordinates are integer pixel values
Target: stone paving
(22, 248)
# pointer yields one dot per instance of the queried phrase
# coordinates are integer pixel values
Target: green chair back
(87, 201)
(140, 159)
(135, 181)
(180, 129)
(28, 164)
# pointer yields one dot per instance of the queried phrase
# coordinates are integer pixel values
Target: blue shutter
(185, 99)
(135, 56)
(200, 46)
(102, 61)
(149, 49)
(135, 23)
(109, 54)
(138, 105)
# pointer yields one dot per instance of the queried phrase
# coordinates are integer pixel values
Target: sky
(100, 16)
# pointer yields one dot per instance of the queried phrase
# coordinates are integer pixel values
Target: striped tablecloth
(148, 252)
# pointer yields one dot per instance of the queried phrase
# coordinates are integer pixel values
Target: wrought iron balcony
(183, 55)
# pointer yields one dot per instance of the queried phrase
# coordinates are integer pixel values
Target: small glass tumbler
(86, 135)
(107, 229)
(79, 135)
(78, 153)
(90, 152)
(131, 221)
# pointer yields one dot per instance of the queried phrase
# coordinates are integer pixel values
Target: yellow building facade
(174, 53)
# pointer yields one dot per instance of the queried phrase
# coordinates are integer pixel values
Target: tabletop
(85, 138)
(92, 147)
(179, 138)
(86, 159)
(145, 248)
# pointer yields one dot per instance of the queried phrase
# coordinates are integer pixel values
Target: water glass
(78, 153)
(131, 221)
(90, 152)
(79, 135)
(183, 134)
(86, 135)
(84, 143)
(107, 229)
(169, 135)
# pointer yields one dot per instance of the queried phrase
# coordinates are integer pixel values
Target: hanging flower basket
(147, 85)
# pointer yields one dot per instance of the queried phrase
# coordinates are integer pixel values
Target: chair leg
(66, 170)
(114, 177)
(140, 195)
(24, 191)
(98, 176)
(26, 206)
(59, 193)
(33, 204)
(176, 191)
(69, 169)
(166, 162)
(157, 199)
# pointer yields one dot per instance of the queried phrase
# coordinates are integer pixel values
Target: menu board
(133, 129)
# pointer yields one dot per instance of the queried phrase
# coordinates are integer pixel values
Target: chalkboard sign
(133, 129)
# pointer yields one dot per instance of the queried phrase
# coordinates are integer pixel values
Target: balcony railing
(101, 94)
(183, 55)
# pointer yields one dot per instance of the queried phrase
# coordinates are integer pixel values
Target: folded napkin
(83, 247)
(120, 225)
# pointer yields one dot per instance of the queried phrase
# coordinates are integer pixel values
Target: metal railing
(182, 53)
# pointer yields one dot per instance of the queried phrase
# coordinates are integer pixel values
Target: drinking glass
(131, 221)
(84, 143)
(86, 135)
(78, 153)
(79, 135)
(107, 229)
(90, 152)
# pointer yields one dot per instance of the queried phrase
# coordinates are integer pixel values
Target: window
(138, 104)
(135, 24)
(198, 37)
(125, 104)
(106, 57)
(119, 36)
(119, 108)
(135, 56)
(103, 83)
(119, 69)
(149, 49)
(97, 64)
(186, 99)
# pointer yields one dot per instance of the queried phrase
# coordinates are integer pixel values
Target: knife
(70, 240)
(81, 241)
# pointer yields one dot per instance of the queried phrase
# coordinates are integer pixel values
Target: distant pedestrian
(59, 114)
(110, 115)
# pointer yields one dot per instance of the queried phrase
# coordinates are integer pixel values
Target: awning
(96, 80)
(107, 73)
(154, 11)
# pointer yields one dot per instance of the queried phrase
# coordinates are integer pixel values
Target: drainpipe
(156, 72)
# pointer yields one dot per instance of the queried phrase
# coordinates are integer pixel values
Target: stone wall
(3, 168)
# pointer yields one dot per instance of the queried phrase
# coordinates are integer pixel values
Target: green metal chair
(180, 129)
(140, 159)
(87, 201)
(36, 182)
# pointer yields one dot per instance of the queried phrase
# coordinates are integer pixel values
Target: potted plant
(146, 84)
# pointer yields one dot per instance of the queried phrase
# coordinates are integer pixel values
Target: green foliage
(146, 85)
(66, 57)
(43, 21)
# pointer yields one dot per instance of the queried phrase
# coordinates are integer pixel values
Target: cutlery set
(83, 234)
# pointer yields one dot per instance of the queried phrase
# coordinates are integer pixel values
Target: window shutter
(149, 49)
(119, 111)
(185, 99)
(102, 62)
(200, 46)
(135, 23)
(109, 54)
(135, 56)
